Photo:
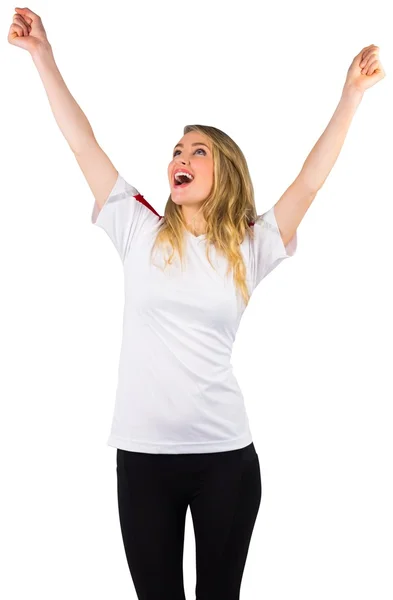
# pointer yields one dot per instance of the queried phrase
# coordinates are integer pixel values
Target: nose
(182, 160)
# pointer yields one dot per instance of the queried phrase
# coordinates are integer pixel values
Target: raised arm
(27, 32)
(364, 72)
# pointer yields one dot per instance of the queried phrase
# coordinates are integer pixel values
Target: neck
(193, 220)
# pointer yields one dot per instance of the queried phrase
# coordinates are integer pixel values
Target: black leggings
(223, 490)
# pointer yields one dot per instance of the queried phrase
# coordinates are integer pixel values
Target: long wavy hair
(228, 210)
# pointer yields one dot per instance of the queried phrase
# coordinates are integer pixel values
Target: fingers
(16, 30)
(369, 60)
(21, 24)
(27, 14)
(367, 54)
(370, 68)
(367, 49)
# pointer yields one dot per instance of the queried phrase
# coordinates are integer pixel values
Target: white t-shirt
(176, 390)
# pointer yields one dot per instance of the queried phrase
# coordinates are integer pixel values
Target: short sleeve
(124, 215)
(269, 249)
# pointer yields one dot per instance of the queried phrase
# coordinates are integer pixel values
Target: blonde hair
(228, 211)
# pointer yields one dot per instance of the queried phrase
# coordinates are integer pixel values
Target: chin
(177, 197)
(177, 200)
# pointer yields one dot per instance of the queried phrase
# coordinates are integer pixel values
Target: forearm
(323, 156)
(69, 116)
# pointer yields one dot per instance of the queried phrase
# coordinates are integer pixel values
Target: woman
(180, 426)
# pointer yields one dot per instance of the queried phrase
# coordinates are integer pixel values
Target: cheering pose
(180, 427)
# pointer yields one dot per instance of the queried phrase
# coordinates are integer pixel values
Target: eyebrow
(195, 144)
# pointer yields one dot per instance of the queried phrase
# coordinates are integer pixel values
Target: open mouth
(182, 180)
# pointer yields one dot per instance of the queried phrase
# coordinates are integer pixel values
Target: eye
(174, 154)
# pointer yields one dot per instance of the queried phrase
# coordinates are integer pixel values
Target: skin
(199, 161)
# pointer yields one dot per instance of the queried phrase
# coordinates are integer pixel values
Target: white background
(314, 347)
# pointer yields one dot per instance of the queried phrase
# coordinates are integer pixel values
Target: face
(193, 153)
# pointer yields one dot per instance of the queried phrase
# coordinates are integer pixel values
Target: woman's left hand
(366, 70)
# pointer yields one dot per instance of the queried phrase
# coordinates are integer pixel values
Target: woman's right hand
(27, 30)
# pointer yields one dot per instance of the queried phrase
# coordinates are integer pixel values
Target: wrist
(40, 50)
(350, 91)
